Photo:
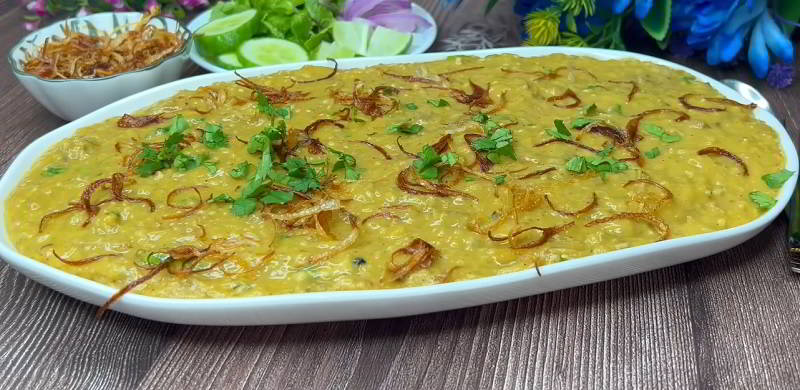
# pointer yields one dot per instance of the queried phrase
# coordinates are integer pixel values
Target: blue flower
(641, 9)
(701, 19)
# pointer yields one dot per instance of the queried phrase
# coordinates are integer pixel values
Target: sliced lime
(270, 51)
(351, 35)
(386, 42)
(332, 50)
(226, 34)
(229, 61)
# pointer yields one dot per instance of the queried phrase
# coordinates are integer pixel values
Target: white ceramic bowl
(420, 40)
(352, 305)
(71, 99)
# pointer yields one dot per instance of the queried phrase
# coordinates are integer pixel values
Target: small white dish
(367, 304)
(420, 41)
(71, 99)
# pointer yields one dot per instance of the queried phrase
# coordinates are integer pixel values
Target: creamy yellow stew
(548, 160)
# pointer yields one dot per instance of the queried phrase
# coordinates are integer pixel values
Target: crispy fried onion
(116, 182)
(114, 298)
(84, 261)
(443, 144)
(667, 193)
(536, 173)
(208, 100)
(585, 209)
(275, 96)
(481, 158)
(715, 151)
(656, 223)
(501, 106)
(568, 142)
(609, 132)
(188, 210)
(568, 94)
(333, 72)
(634, 88)
(129, 121)
(408, 181)
(519, 200)
(375, 103)
(685, 102)
(344, 244)
(633, 125)
(417, 254)
(402, 149)
(478, 98)
(379, 149)
(325, 205)
(547, 233)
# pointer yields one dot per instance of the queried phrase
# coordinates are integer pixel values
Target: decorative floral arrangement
(724, 31)
(44, 9)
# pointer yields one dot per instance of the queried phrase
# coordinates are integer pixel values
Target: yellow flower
(542, 27)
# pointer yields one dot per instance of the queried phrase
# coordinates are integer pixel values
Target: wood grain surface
(727, 321)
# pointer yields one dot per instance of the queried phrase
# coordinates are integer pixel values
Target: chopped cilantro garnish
(658, 132)
(499, 180)
(301, 176)
(589, 110)
(498, 144)
(762, 200)
(450, 158)
(347, 163)
(602, 164)
(222, 198)
(579, 123)
(241, 170)
(560, 132)
(577, 165)
(480, 118)
(210, 166)
(153, 161)
(776, 180)
(52, 171)
(406, 128)
(411, 106)
(652, 153)
(278, 197)
(254, 189)
(438, 103)
(244, 206)
(213, 137)
(157, 258)
(427, 165)
(265, 107)
(150, 163)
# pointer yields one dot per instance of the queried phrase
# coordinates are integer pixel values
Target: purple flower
(38, 6)
(780, 75)
(151, 5)
(32, 25)
(192, 4)
(83, 12)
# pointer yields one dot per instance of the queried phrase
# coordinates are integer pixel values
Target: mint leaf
(450, 158)
(776, 180)
(670, 138)
(560, 131)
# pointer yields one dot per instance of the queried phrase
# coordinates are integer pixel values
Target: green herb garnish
(244, 206)
(497, 144)
(213, 137)
(776, 180)
(241, 170)
(278, 197)
(439, 103)
(762, 200)
(411, 106)
(406, 128)
(499, 180)
(347, 163)
(652, 153)
(560, 132)
(602, 164)
(659, 132)
(579, 123)
(52, 171)
(429, 160)
(222, 198)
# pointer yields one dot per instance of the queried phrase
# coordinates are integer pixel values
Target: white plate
(420, 41)
(352, 305)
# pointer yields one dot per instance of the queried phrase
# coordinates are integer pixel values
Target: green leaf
(213, 137)
(438, 103)
(654, 130)
(324, 35)
(210, 166)
(241, 170)
(580, 123)
(789, 10)
(222, 198)
(560, 131)
(411, 106)
(258, 143)
(577, 165)
(652, 153)
(254, 189)
(499, 180)
(347, 163)
(300, 25)
(321, 15)
(52, 171)
(762, 200)
(244, 206)
(656, 23)
(406, 128)
(480, 118)
(670, 138)
(278, 197)
(776, 180)
(606, 152)
(450, 158)
(184, 162)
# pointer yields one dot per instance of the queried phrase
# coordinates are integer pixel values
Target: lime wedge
(270, 51)
(226, 34)
(386, 42)
(351, 35)
(327, 50)
(229, 61)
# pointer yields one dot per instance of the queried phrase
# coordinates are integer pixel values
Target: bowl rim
(184, 31)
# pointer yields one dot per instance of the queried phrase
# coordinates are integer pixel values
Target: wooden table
(727, 321)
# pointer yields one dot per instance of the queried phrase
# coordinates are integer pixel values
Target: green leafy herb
(652, 153)
(52, 171)
(498, 144)
(762, 200)
(347, 163)
(776, 180)
(426, 165)
(406, 128)
(152, 161)
(214, 138)
(560, 132)
(579, 123)
(411, 106)
(222, 198)
(602, 164)
(438, 103)
(450, 158)
(244, 206)
(589, 110)
(499, 180)
(265, 107)
(577, 165)
(301, 176)
(480, 118)
(241, 170)
(210, 166)
(278, 197)
(658, 132)
(157, 258)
